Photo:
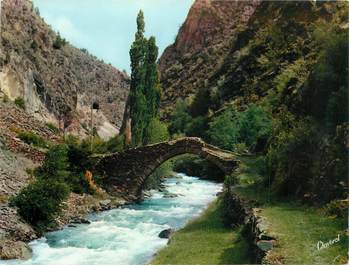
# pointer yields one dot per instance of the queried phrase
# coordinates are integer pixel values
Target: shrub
(181, 118)
(52, 128)
(59, 42)
(55, 165)
(78, 184)
(231, 127)
(34, 45)
(115, 144)
(223, 131)
(40, 202)
(201, 103)
(32, 138)
(337, 208)
(254, 123)
(156, 132)
(20, 102)
(197, 127)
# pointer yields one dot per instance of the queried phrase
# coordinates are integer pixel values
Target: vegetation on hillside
(282, 94)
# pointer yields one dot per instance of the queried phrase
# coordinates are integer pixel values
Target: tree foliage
(145, 89)
(156, 132)
(232, 127)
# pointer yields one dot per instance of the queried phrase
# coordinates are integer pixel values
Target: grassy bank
(298, 228)
(205, 240)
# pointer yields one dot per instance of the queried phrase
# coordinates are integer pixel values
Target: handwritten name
(323, 245)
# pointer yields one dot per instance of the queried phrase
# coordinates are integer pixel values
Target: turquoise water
(128, 235)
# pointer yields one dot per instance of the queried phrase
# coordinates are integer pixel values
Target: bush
(254, 123)
(231, 127)
(337, 208)
(223, 131)
(156, 132)
(197, 127)
(181, 118)
(115, 144)
(55, 166)
(52, 128)
(20, 102)
(34, 45)
(201, 103)
(59, 42)
(32, 138)
(40, 202)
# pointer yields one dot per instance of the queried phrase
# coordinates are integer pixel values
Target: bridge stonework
(129, 170)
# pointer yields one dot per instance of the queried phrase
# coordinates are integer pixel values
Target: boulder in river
(80, 221)
(166, 233)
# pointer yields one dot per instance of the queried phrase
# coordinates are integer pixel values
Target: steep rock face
(240, 50)
(57, 82)
(202, 43)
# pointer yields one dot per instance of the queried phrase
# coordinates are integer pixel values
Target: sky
(106, 28)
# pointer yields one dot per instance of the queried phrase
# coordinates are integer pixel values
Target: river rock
(14, 250)
(170, 195)
(266, 245)
(105, 204)
(79, 220)
(166, 233)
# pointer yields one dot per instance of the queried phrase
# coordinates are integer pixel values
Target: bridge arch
(129, 170)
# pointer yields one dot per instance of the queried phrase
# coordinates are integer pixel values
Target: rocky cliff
(201, 45)
(57, 81)
(240, 50)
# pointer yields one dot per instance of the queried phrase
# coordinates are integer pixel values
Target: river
(127, 235)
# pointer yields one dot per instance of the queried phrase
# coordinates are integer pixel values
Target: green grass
(297, 227)
(205, 240)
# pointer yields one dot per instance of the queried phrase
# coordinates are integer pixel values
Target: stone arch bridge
(129, 169)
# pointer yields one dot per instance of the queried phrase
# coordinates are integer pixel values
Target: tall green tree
(137, 97)
(145, 89)
(153, 90)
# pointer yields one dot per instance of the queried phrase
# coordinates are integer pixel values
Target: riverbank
(205, 240)
(15, 234)
(272, 230)
(128, 234)
(300, 233)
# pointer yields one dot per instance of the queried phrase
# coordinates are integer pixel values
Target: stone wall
(255, 227)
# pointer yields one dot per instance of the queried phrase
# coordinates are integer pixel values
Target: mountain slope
(244, 48)
(57, 81)
(201, 45)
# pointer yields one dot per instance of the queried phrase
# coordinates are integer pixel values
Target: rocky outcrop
(57, 81)
(201, 44)
(240, 51)
(255, 227)
(14, 250)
